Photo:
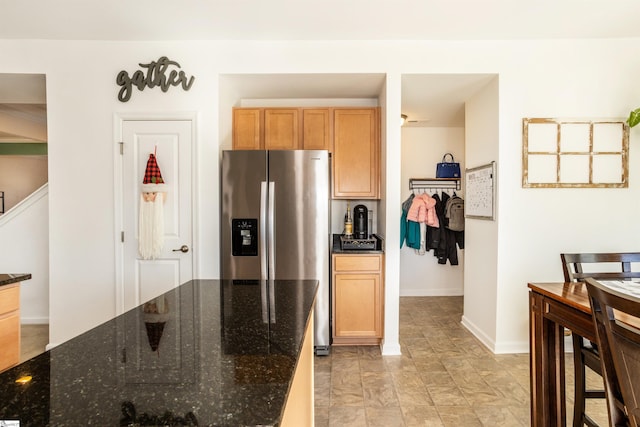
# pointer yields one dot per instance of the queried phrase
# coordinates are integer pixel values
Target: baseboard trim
(390, 349)
(34, 321)
(438, 292)
(514, 347)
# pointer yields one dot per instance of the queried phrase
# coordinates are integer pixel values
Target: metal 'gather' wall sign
(158, 73)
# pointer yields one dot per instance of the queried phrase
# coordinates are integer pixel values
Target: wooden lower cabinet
(358, 299)
(9, 325)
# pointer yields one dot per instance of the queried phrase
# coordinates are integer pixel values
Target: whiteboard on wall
(479, 191)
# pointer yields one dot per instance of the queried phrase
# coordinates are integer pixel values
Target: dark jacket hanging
(444, 241)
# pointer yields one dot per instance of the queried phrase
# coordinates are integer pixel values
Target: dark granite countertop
(219, 353)
(336, 249)
(8, 279)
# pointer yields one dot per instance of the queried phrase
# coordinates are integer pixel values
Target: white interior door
(171, 141)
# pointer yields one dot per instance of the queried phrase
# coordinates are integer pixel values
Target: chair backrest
(617, 318)
(600, 266)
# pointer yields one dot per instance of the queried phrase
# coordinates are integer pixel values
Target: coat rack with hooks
(434, 183)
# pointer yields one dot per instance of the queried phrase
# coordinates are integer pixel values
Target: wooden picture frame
(566, 153)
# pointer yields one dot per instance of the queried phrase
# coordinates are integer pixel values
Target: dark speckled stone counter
(8, 279)
(215, 353)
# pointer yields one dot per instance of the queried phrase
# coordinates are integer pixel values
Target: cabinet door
(9, 341)
(9, 326)
(316, 129)
(357, 306)
(281, 130)
(356, 153)
(247, 129)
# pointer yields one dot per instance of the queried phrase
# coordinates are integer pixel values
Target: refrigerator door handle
(263, 230)
(271, 235)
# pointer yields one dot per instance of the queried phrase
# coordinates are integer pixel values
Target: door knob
(183, 248)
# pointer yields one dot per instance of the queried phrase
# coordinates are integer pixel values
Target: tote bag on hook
(448, 169)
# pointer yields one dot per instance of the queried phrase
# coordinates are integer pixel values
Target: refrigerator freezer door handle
(271, 236)
(263, 230)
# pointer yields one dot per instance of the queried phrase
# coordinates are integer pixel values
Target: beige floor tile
(421, 416)
(345, 364)
(497, 416)
(456, 417)
(384, 417)
(373, 365)
(321, 417)
(346, 389)
(411, 390)
(447, 396)
(33, 340)
(436, 378)
(379, 390)
(401, 363)
(347, 417)
(322, 386)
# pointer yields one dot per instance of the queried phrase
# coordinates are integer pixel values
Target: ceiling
(427, 100)
(318, 19)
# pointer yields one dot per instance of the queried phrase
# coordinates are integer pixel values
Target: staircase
(24, 248)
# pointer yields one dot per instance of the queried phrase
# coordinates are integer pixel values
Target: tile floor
(33, 340)
(445, 376)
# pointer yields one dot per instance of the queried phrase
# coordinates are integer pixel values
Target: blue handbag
(448, 169)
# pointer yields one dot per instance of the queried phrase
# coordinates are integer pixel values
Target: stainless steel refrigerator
(275, 222)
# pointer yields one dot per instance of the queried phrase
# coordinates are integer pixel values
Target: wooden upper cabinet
(281, 130)
(316, 129)
(247, 129)
(356, 153)
(352, 135)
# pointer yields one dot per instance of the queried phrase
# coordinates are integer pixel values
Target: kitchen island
(9, 279)
(207, 353)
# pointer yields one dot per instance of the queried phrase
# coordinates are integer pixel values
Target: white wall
(422, 149)
(24, 248)
(481, 245)
(21, 176)
(572, 78)
(390, 161)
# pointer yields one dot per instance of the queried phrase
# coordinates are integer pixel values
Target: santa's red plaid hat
(153, 181)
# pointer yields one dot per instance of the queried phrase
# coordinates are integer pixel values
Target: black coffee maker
(360, 222)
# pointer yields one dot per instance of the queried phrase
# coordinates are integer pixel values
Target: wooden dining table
(552, 308)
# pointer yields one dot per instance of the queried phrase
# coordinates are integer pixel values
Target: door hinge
(122, 236)
(121, 147)
(123, 359)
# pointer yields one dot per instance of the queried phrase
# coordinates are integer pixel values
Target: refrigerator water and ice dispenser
(244, 240)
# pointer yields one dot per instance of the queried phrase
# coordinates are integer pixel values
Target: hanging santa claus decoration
(151, 220)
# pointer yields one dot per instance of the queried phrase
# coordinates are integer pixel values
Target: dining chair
(616, 313)
(577, 267)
